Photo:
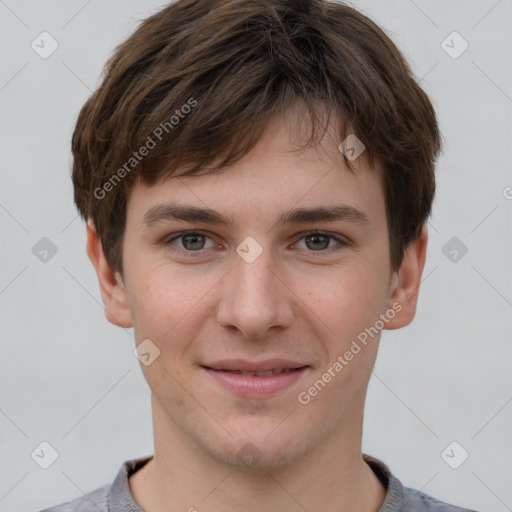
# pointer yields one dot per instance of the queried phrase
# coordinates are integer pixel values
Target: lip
(252, 386)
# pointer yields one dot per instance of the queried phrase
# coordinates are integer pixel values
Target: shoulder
(112, 497)
(405, 499)
(416, 501)
(94, 501)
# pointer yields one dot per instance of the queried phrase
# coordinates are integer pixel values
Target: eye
(191, 241)
(318, 242)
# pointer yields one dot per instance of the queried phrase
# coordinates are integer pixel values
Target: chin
(260, 444)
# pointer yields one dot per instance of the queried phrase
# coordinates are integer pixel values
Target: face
(284, 271)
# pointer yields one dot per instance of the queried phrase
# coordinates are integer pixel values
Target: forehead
(278, 174)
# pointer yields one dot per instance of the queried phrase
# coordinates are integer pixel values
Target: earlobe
(112, 288)
(405, 284)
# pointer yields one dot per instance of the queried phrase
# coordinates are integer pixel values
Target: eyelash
(191, 254)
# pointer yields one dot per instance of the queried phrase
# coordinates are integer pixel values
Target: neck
(332, 477)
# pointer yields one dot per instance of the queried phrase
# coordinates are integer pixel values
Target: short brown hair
(235, 65)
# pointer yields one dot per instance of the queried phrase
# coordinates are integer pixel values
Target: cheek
(347, 299)
(349, 305)
(166, 304)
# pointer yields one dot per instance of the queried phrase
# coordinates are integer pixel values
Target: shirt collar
(395, 491)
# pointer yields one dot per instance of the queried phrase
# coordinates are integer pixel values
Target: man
(257, 176)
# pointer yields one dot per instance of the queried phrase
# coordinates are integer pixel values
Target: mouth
(253, 380)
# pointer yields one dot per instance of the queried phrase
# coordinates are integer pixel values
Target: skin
(303, 298)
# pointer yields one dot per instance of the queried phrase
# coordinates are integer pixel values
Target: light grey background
(68, 377)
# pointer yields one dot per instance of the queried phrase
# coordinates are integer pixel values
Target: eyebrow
(166, 212)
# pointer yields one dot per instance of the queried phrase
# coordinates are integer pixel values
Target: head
(239, 108)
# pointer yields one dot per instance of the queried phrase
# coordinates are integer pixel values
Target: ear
(111, 283)
(405, 284)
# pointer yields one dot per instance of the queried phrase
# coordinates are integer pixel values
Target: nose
(255, 298)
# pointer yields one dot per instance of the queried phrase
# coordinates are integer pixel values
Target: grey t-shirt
(116, 497)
